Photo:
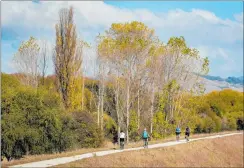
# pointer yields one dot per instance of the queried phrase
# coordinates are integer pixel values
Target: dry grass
(107, 146)
(35, 158)
(219, 152)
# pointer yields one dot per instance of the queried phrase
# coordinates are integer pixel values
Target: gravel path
(63, 160)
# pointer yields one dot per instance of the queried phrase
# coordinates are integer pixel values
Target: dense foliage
(34, 121)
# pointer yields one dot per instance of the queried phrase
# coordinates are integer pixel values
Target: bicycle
(122, 144)
(177, 136)
(187, 137)
(145, 143)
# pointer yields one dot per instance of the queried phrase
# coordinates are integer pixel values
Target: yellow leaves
(125, 39)
(134, 27)
(30, 44)
(149, 63)
(157, 49)
(75, 92)
(85, 44)
(59, 40)
(205, 65)
(177, 42)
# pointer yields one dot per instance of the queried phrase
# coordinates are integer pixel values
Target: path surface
(63, 160)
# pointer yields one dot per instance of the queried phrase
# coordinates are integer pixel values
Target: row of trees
(141, 82)
(134, 60)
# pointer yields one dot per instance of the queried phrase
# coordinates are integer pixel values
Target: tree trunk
(117, 107)
(152, 109)
(127, 111)
(118, 133)
(102, 103)
(138, 110)
(83, 93)
(98, 106)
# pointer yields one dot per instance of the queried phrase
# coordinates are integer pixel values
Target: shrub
(159, 125)
(133, 127)
(86, 130)
(110, 127)
(31, 124)
(209, 125)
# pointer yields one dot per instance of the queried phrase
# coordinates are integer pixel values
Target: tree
(67, 57)
(83, 78)
(44, 59)
(27, 62)
(183, 65)
(154, 66)
(125, 45)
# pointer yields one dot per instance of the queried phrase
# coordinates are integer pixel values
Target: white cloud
(94, 15)
(239, 17)
(199, 27)
(222, 60)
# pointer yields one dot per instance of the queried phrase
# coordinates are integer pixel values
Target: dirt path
(63, 160)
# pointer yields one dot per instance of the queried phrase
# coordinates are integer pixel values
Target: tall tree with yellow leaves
(125, 46)
(67, 57)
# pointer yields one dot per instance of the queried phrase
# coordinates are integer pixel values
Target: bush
(231, 122)
(86, 130)
(110, 127)
(209, 125)
(159, 125)
(30, 125)
(133, 127)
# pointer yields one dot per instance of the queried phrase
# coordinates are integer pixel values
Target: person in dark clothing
(187, 133)
(115, 139)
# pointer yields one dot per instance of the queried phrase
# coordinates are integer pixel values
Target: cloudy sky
(214, 28)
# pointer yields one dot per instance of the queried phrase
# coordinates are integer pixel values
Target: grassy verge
(107, 146)
(219, 152)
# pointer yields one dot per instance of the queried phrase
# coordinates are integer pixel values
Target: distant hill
(231, 80)
(217, 83)
(235, 80)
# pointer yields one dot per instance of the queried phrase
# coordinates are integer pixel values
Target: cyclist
(122, 139)
(177, 132)
(115, 140)
(145, 137)
(187, 133)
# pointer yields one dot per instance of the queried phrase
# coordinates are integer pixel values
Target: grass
(107, 146)
(219, 152)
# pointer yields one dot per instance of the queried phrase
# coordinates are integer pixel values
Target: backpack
(187, 130)
(177, 130)
(145, 134)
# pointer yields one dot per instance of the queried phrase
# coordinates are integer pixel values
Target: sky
(214, 28)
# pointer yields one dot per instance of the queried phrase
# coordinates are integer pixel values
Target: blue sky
(214, 28)
(224, 9)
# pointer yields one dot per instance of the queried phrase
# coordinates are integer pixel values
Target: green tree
(160, 125)
(133, 129)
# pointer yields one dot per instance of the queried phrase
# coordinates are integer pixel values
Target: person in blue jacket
(177, 133)
(145, 137)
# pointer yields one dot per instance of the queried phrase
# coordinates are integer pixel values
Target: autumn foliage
(140, 83)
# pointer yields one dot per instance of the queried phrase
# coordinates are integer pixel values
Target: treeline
(140, 82)
(35, 122)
